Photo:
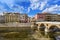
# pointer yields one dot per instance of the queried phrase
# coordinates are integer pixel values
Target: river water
(29, 35)
(41, 35)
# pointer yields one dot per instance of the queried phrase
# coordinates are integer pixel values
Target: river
(29, 35)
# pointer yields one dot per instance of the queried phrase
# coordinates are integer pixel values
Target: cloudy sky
(30, 7)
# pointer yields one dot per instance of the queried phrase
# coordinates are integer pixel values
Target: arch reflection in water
(46, 36)
(42, 27)
(53, 28)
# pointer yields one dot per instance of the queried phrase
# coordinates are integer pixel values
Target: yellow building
(11, 17)
(15, 17)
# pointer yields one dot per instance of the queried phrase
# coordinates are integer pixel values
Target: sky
(30, 7)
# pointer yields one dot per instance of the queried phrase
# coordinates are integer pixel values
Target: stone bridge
(47, 26)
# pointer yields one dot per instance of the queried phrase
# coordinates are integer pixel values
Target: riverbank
(16, 29)
(23, 34)
(14, 24)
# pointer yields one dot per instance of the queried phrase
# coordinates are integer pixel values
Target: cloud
(34, 4)
(38, 4)
(14, 6)
(25, 4)
(28, 6)
(17, 8)
(53, 9)
(34, 1)
(28, 10)
(4, 7)
(43, 4)
(56, 1)
(8, 2)
(22, 6)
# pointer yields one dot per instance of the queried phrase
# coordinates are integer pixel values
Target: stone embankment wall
(15, 26)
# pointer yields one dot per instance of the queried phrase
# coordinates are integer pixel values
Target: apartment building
(39, 17)
(15, 17)
(47, 17)
(2, 19)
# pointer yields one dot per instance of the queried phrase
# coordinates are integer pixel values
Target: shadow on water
(23, 34)
(50, 35)
(26, 34)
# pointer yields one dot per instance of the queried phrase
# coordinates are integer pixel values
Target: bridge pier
(46, 29)
(34, 26)
(38, 28)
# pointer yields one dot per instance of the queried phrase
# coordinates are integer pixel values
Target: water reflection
(29, 35)
(47, 36)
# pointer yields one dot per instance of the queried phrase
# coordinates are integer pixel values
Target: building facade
(58, 18)
(51, 17)
(29, 19)
(2, 19)
(23, 18)
(15, 17)
(47, 17)
(40, 17)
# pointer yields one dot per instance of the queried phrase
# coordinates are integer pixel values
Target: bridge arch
(42, 27)
(53, 28)
(42, 24)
